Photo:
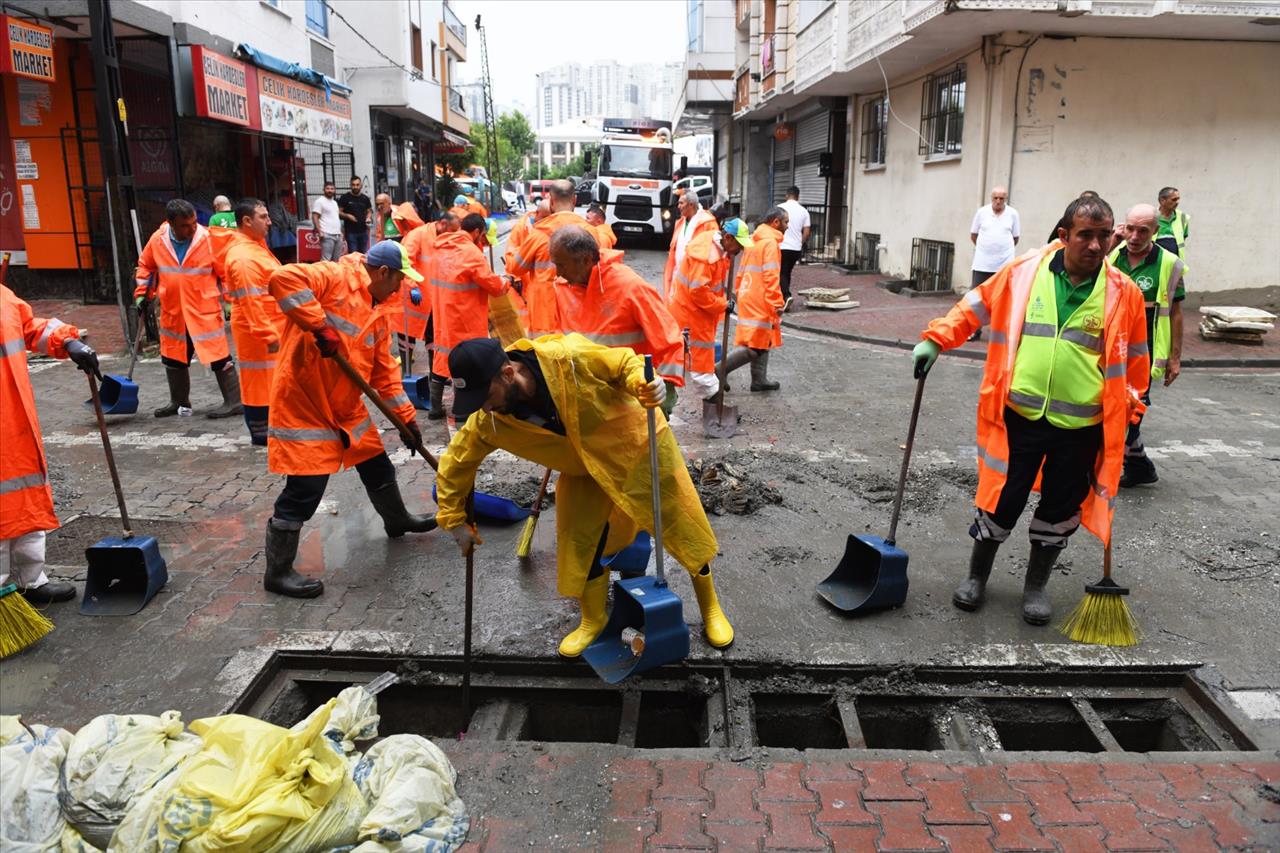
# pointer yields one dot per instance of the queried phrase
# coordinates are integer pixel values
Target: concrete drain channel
(1116, 710)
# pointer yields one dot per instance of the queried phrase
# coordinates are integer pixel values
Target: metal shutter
(783, 152)
(812, 140)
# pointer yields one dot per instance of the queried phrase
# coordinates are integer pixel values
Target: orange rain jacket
(319, 423)
(618, 308)
(703, 220)
(759, 292)
(531, 262)
(460, 212)
(461, 283)
(406, 217)
(604, 235)
(188, 294)
(1002, 302)
(26, 501)
(698, 298)
(418, 243)
(256, 321)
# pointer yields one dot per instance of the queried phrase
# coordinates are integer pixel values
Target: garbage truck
(634, 177)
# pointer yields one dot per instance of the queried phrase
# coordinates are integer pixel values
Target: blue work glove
(923, 357)
(415, 295)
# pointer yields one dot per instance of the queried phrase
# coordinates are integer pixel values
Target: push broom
(20, 623)
(1103, 617)
(525, 544)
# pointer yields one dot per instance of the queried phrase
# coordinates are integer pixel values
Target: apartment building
(573, 91)
(896, 118)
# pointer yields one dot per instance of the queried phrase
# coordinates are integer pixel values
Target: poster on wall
(295, 109)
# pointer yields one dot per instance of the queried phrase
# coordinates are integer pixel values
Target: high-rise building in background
(571, 91)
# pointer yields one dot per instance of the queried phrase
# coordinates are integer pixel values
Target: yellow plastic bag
(409, 784)
(73, 842)
(30, 766)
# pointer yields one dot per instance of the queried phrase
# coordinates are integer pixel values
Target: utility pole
(490, 127)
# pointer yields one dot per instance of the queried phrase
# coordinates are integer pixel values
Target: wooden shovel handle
(409, 438)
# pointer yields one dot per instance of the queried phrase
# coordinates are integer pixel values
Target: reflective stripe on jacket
(759, 292)
(256, 321)
(618, 308)
(419, 244)
(460, 282)
(319, 423)
(698, 297)
(188, 296)
(26, 501)
(703, 220)
(530, 261)
(1002, 302)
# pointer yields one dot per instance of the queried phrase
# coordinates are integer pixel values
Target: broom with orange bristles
(525, 545)
(1103, 617)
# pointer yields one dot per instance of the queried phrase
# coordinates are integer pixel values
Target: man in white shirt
(994, 233)
(793, 241)
(324, 216)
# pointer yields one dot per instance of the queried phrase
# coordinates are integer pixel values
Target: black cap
(473, 364)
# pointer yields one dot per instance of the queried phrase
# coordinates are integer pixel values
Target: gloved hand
(226, 311)
(923, 357)
(732, 307)
(326, 341)
(650, 394)
(141, 301)
(467, 538)
(417, 437)
(669, 404)
(84, 357)
(415, 295)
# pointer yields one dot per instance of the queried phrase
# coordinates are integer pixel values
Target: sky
(529, 36)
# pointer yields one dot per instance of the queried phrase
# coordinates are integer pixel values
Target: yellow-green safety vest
(1172, 270)
(1058, 373)
(1179, 225)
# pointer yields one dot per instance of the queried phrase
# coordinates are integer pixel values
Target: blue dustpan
(633, 558)
(119, 395)
(493, 508)
(418, 390)
(124, 574)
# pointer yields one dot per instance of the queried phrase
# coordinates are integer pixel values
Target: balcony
(456, 102)
(742, 93)
(453, 35)
(742, 13)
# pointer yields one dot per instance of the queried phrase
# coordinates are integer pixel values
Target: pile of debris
(827, 298)
(1235, 324)
(725, 489)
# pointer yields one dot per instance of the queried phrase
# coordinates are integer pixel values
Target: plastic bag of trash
(414, 806)
(111, 760)
(31, 760)
(139, 832)
(73, 842)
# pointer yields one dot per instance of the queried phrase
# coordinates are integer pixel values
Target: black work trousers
(790, 257)
(302, 492)
(1065, 458)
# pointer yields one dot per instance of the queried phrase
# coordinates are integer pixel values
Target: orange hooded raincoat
(188, 294)
(461, 283)
(759, 291)
(698, 297)
(530, 261)
(703, 221)
(419, 243)
(257, 325)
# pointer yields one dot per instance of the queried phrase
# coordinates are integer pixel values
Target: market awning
(454, 143)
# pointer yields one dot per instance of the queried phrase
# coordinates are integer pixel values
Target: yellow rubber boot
(594, 597)
(714, 623)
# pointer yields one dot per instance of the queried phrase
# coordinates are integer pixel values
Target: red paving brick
(886, 782)
(1013, 827)
(841, 802)
(1222, 818)
(987, 784)
(1085, 782)
(1124, 830)
(735, 837)
(791, 826)
(851, 838)
(965, 839)
(782, 782)
(733, 790)
(1077, 839)
(947, 803)
(1050, 803)
(624, 836)
(681, 780)
(904, 827)
(680, 824)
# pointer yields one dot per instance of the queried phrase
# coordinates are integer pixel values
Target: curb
(898, 343)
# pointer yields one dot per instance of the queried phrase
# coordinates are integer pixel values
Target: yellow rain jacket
(603, 460)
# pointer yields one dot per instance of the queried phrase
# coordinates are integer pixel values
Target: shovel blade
(872, 575)
(718, 424)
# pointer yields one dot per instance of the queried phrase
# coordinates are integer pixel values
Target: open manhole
(1119, 709)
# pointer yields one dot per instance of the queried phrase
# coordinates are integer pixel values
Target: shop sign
(295, 109)
(309, 246)
(27, 49)
(221, 87)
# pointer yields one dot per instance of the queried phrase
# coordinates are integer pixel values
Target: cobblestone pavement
(1199, 550)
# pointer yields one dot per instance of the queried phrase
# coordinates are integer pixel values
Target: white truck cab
(634, 177)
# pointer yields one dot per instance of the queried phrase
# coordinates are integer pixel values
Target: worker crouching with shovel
(568, 404)
(319, 423)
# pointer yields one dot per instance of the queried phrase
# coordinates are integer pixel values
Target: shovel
(719, 420)
(644, 606)
(873, 572)
(125, 572)
(489, 507)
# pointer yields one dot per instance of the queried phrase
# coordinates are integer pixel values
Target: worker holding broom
(578, 408)
(319, 423)
(26, 501)
(1067, 356)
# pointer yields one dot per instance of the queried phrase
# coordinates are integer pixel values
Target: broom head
(525, 545)
(20, 623)
(1103, 617)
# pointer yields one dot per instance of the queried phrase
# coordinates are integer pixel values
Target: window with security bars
(931, 265)
(942, 113)
(875, 131)
(866, 258)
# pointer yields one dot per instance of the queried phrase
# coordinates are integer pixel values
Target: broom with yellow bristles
(20, 623)
(1103, 617)
(526, 536)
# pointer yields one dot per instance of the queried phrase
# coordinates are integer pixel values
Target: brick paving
(886, 317)
(679, 804)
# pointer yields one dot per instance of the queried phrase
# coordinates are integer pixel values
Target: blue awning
(292, 70)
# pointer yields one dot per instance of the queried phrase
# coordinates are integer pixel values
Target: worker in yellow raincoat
(571, 405)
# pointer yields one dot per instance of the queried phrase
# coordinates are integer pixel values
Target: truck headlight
(666, 214)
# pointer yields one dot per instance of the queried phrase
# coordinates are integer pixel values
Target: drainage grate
(65, 546)
(1119, 709)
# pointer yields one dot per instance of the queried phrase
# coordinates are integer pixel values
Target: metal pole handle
(364, 386)
(652, 414)
(111, 459)
(906, 462)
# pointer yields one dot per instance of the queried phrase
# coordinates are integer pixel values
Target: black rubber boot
(49, 593)
(736, 358)
(436, 392)
(760, 373)
(973, 589)
(1036, 609)
(229, 384)
(280, 578)
(397, 520)
(179, 391)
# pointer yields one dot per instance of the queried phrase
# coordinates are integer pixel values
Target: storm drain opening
(695, 706)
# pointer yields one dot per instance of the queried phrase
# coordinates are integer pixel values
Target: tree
(515, 139)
